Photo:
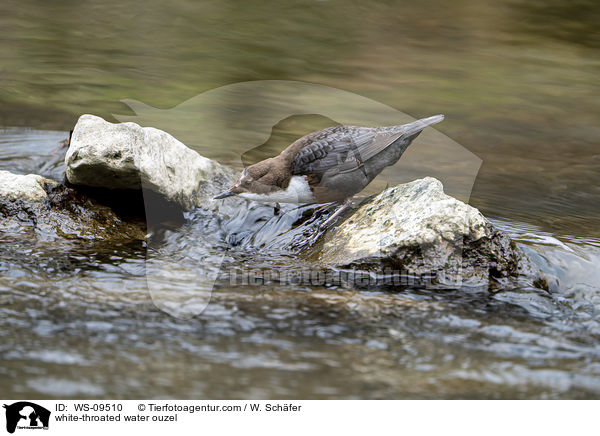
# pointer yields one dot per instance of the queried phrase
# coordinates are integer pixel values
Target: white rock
(412, 214)
(29, 188)
(127, 156)
(416, 228)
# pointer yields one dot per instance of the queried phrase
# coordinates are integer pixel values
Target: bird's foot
(325, 225)
(343, 208)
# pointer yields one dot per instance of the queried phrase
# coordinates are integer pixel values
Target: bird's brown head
(255, 179)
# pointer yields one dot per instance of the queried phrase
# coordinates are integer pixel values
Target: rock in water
(416, 229)
(127, 156)
(52, 210)
(29, 188)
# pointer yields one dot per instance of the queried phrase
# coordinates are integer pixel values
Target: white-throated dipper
(330, 165)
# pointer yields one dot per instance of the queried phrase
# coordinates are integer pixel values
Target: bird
(327, 166)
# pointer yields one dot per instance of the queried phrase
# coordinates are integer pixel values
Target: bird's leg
(323, 226)
(343, 208)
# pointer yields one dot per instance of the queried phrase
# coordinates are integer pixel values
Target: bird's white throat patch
(297, 191)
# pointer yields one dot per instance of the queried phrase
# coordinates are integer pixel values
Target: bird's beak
(223, 195)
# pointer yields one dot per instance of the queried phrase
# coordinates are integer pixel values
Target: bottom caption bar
(67, 417)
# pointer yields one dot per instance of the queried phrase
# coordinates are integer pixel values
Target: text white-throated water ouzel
(329, 165)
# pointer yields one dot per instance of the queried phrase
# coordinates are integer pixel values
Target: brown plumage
(329, 165)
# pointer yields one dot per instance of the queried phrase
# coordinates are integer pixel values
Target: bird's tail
(415, 127)
(404, 135)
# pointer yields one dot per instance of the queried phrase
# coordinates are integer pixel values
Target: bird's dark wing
(341, 151)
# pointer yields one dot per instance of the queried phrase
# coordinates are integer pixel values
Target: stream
(518, 83)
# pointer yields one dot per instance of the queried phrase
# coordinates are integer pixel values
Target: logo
(26, 415)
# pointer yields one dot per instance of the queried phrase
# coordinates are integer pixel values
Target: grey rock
(417, 230)
(127, 156)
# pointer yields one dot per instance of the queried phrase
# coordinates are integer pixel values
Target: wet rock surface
(416, 229)
(50, 209)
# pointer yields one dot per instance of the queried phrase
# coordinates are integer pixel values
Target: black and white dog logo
(26, 415)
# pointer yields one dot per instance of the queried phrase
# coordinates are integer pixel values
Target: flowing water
(518, 82)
